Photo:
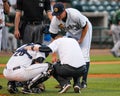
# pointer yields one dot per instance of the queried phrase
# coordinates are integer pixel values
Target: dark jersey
(33, 9)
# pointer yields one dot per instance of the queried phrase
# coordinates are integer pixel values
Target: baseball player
(72, 63)
(24, 65)
(76, 26)
(115, 30)
(116, 39)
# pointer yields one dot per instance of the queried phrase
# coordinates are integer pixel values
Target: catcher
(25, 66)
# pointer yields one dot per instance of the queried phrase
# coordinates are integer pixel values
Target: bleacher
(100, 6)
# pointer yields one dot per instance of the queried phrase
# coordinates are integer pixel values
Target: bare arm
(17, 21)
(9, 24)
(38, 48)
(84, 31)
(49, 14)
(54, 55)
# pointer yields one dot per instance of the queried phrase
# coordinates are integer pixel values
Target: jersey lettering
(69, 27)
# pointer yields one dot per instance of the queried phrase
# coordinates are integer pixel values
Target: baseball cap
(58, 8)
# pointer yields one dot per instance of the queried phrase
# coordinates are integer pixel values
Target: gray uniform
(116, 40)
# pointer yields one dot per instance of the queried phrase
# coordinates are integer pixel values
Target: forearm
(45, 49)
(54, 57)
(84, 31)
(9, 24)
(17, 20)
(49, 14)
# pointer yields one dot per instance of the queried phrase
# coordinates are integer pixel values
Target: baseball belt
(15, 68)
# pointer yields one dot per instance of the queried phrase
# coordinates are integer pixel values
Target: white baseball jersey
(19, 66)
(68, 51)
(73, 26)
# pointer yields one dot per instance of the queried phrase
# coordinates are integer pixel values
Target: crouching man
(72, 63)
(25, 66)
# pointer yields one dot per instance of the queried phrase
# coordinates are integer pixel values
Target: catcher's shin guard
(38, 79)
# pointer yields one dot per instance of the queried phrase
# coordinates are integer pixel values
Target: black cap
(58, 8)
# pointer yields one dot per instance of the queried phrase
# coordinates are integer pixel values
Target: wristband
(32, 48)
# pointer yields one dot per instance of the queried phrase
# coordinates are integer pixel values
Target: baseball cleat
(11, 89)
(27, 91)
(65, 88)
(31, 91)
(83, 85)
(77, 89)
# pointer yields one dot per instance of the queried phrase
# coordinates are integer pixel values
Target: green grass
(1, 69)
(104, 58)
(96, 86)
(99, 69)
(4, 59)
(104, 69)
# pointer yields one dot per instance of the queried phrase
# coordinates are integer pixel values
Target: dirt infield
(92, 52)
(100, 52)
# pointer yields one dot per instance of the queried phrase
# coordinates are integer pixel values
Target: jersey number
(19, 54)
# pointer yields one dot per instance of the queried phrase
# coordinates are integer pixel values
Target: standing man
(76, 26)
(115, 30)
(4, 8)
(32, 20)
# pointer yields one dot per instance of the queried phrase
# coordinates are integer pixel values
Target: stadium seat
(77, 5)
(97, 3)
(93, 8)
(105, 3)
(101, 8)
(113, 3)
(74, 2)
(109, 8)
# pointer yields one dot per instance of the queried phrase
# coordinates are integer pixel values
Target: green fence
(101, 38)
